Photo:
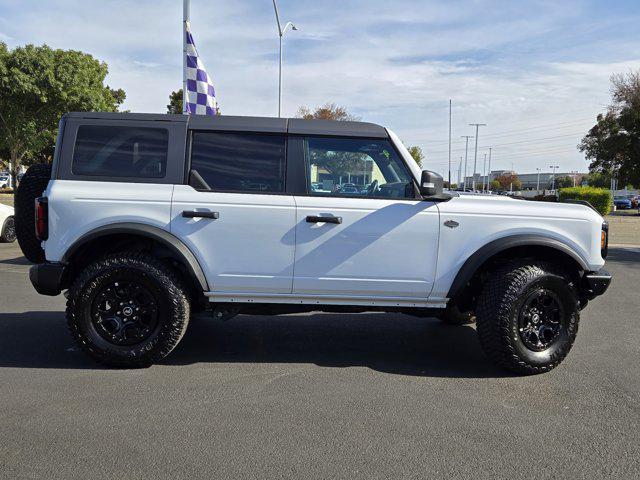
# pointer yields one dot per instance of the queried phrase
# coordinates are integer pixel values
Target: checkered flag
(200, 95)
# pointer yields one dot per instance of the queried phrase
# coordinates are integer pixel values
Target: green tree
(598, 180)
(329, 111)
(175, 103)
(417, 154)
(494, 186)
(508, 182)
(337, 164)
(37, 86)
(564, 182)
(613, 144)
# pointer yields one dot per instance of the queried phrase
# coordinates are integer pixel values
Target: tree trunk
(14, 166)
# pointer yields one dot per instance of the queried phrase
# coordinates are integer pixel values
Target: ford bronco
(144, 219)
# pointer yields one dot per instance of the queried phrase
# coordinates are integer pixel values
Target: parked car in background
(4, 181)
(622, 203)
(7, 225)
(635, 201)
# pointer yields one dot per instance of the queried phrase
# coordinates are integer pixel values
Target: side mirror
(431, 184)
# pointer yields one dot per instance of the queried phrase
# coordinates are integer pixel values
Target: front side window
(240, 162)
(106, 151)
(350, 167)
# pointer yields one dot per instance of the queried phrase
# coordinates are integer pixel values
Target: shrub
(600, 198)
(6, 190)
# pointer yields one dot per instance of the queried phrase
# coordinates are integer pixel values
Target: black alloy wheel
(124, 313)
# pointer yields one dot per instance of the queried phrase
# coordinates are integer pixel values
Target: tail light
(604, 240)
(42, 218)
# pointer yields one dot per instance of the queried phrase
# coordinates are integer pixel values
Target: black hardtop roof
(249, 124)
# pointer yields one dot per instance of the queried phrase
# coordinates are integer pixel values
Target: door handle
(209, 215)
(316, 219)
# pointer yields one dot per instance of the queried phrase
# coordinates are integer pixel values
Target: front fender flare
(475, 261)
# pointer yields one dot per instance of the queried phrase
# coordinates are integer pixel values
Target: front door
(235, 216)
(360, 230)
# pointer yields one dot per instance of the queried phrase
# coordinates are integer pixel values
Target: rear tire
(528, 317)
(8, 231)
(128, 310)
(32, 185)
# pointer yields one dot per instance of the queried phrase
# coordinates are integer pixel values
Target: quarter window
(239, 162)
(349, 167)
(105, 151)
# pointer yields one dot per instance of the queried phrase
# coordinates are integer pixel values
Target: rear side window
(105, 151)
(240, 162)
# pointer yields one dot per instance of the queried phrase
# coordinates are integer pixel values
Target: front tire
(128, 310)
(528, 317)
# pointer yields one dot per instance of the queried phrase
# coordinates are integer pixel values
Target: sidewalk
(6, 199)
(624, 229)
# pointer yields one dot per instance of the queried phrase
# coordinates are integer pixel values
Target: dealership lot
(322, 396)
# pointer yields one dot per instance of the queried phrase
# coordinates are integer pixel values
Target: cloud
(516, 66)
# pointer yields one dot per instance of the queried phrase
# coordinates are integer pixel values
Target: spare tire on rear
(32, 186)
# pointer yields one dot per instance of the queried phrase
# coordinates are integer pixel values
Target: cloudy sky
(537, 72)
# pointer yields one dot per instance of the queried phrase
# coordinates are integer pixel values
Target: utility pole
(460, 172)
(466, 159)
(553, 181)
(450, 143)
(484, 173)
(538, 184)
(475, 158)
(489, 176)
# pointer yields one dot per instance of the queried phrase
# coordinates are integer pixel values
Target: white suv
(146, 218)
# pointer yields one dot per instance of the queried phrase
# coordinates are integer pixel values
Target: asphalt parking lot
(318, 396)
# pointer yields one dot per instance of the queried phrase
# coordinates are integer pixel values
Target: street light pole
(553, 181)
(484, 173)
(466, 160)
(281, 33)
(538, 184)
(489, 172)
(449, 143)
(475, 158)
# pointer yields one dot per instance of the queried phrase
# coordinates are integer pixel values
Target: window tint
(238, 162)
(105, 151)
(349, 167)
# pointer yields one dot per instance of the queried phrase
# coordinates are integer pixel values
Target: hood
(497, 204)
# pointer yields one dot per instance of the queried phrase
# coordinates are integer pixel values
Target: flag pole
(186, 17)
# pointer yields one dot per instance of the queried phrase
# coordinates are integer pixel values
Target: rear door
(235, 215)
(361, 230)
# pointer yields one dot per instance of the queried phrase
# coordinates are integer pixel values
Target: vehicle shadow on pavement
(624, 255)
(39, 340)
(389, 343)
(15, 261)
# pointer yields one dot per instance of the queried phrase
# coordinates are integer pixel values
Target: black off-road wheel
(128, 310)
(528, 317)
(8, 231)
(32, 185)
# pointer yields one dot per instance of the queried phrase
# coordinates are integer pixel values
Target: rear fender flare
(174, 244)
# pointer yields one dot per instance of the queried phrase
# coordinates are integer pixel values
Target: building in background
(529, 180)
